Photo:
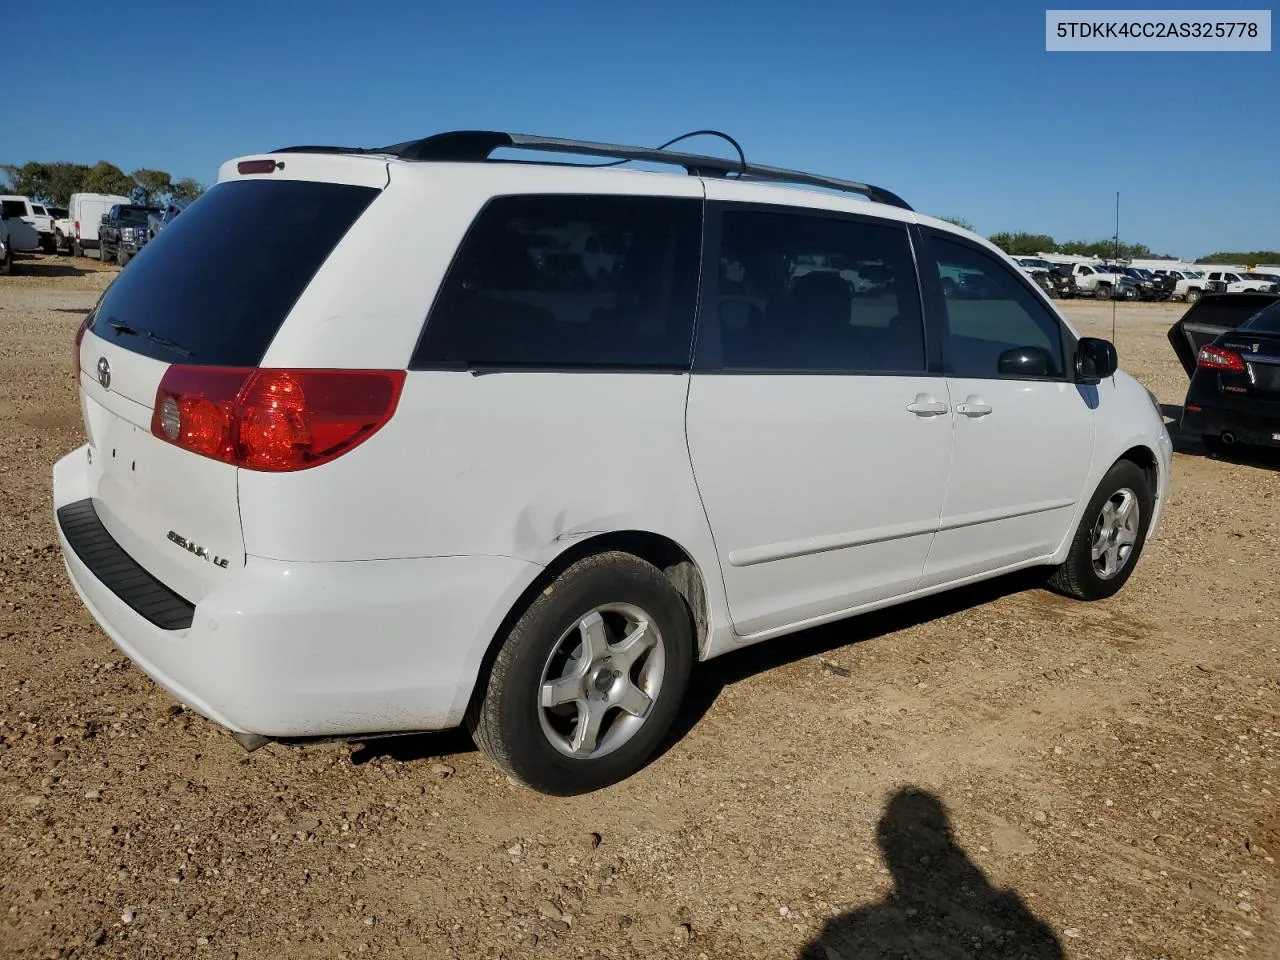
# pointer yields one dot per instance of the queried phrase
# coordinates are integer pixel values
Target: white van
(337, 486)
(85, 213)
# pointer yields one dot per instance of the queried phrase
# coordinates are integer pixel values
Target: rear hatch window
(216, 285)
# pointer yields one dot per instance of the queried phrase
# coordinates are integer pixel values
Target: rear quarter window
(569, 281)
(219, 281)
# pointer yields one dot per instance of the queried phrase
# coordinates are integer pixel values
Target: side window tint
(568, 281)
(812, 293)
(993, 318)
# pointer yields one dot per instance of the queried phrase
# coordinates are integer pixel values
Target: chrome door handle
(925, 405)
(973, 407)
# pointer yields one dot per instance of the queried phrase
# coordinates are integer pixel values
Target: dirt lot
(1109, 771)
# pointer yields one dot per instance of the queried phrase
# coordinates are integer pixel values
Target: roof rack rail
(473, 146)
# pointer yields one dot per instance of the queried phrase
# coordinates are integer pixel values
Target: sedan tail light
(273, 420)
(1219, 358)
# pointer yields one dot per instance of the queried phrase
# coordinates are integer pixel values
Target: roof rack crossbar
(477, 145)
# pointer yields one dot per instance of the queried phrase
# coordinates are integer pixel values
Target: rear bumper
(1246, 426)
(315, 649)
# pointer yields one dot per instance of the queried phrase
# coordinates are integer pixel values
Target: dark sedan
(1230, 345)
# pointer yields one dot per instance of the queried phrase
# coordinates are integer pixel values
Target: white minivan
(85, 211)
(336, 485)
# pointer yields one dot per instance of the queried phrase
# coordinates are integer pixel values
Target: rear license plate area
(1266, 377)
(121, 452)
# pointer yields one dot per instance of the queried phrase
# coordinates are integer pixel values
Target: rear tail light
(84, 325)
(273, 420)
(1219, 358)
(77, 229)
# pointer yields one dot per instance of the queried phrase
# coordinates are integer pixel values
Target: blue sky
(959, 110)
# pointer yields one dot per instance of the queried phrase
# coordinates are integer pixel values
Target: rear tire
(1109, 540)
(1102, 292)
(1214, 445)
(6, 265)
(76, 249)
(610, 630)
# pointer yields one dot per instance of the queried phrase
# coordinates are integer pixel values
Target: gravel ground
(997, 773)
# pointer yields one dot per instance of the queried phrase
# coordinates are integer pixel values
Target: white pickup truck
(34, 214)
(24, 234)
(1235, 283)
(1189, 285)
(15, 235)
(1103, 282)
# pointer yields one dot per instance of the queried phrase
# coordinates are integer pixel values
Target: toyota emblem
(104, 373)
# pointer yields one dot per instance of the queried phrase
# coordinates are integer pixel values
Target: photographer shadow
(942, 906)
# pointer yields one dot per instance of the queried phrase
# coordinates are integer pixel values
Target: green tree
(1252, 258)
(1024, 244)
(50, 182)
(1107, 248)
(30, 179)
(186, 189)
(152, 186)
(106, 177)
(960, 222)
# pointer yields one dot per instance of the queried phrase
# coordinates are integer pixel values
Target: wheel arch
(1145, 458)
(675, 562)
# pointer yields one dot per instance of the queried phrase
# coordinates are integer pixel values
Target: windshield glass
(135, 214)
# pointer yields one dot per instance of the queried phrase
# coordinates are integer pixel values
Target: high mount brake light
(257, 166)
(1219, 358)
(273, 420)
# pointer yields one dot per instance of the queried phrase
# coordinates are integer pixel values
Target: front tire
(1192, 295)
(6, 262)
(588, 679)
(1109, 540)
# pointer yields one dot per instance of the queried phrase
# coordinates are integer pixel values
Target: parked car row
(109, 223)
(1103, 282)
(1118, 281)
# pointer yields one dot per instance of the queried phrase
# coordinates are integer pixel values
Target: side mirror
(1095, 359)
(1026, 362)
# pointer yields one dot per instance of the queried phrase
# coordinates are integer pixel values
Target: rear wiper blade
(167, 343)
(125, 330)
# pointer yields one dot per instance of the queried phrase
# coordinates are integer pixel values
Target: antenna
(1116, 237)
